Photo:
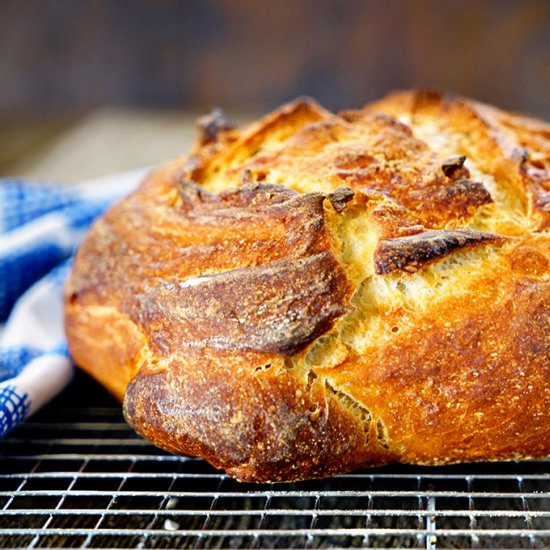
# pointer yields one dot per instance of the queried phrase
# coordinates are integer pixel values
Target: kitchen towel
(41, 226)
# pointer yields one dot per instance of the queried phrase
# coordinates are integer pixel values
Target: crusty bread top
(321, 291)
(438, 159)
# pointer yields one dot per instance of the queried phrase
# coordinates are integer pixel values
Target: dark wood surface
(59, 55)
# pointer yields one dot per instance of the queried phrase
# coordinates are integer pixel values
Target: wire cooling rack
(75, 475)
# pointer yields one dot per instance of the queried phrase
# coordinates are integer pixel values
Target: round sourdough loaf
(321, 292)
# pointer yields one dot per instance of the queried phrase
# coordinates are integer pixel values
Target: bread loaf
(320, 292)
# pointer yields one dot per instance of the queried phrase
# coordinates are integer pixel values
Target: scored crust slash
(320, 292)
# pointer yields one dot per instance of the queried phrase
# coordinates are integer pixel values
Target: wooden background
(64, 59)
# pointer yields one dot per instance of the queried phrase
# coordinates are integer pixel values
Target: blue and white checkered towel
(40, 228)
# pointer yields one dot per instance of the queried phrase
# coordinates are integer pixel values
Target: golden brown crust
(472, 382)
(288, 290)
(321, 292)
(248, 414)
(513, 148)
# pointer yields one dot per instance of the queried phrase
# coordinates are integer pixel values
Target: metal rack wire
(75, 475)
